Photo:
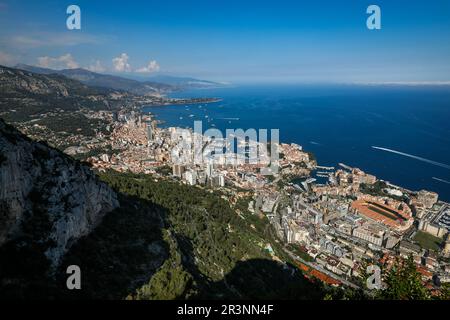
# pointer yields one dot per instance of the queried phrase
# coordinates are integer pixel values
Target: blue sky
(290, 41)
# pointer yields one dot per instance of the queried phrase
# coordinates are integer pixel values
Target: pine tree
(404, 282)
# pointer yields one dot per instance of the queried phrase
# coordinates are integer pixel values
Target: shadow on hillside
(124, 252)
(120, 255)
(264, 279)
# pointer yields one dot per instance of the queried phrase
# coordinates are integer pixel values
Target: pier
(324, 168)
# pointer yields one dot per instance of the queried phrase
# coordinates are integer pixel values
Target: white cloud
(64, 61)
(121, 64)
(152, 66)
(97, 67)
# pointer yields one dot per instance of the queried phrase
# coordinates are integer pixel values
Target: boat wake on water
(441, 180)
(439, 164)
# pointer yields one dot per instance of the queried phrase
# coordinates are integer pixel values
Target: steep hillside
(44, 192)
(212, 251)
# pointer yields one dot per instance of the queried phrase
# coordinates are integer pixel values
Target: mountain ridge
(158, 84)
(94, 79)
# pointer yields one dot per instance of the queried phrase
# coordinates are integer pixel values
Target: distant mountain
(104, 80)
(137, 85)
(26, 95)
(20, 82)
(34, 69)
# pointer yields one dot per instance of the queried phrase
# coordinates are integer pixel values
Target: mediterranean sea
(408, 125)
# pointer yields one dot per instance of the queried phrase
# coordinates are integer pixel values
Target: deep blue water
(341, 124)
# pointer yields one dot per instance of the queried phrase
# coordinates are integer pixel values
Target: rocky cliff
(47, 194)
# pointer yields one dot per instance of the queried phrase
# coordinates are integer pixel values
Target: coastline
(334, 121)
(187, 101)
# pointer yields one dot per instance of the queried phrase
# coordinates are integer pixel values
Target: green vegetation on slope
(208, 240)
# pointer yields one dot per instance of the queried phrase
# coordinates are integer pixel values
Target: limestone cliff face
(56, 197)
